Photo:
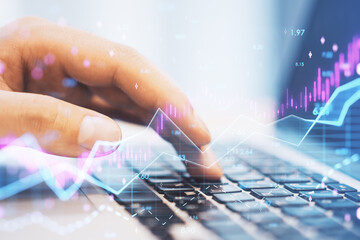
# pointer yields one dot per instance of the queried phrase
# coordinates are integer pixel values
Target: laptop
(294, 178)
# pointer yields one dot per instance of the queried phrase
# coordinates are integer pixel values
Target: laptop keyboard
(282, 200)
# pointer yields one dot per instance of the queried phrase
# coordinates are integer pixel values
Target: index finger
(95, 61)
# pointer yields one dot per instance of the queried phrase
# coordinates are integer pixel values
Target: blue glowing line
(65, 194)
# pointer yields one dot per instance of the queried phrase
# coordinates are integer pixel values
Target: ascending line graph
(333, 113)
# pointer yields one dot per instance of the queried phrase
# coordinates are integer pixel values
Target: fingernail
(98, 128)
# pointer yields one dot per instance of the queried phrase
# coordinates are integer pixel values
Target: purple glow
(327, 89)
(319, 83)
(2, 67)
(347, 217)
(305, 98)
(319, 90)
(74, 51)
(86, 63)
(49, 59)
(86, 207)
(162, 121)
(37, 73)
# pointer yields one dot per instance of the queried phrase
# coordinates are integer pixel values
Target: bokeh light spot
(2, 67)
(37, 73)
(347, 217)
(322, 40)
(358, 68)
(69, 82)
(335, 47)
(74, 51)
(49, 59)
(86, 207)
(86, 63)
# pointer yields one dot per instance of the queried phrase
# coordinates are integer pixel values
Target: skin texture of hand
(37, 55)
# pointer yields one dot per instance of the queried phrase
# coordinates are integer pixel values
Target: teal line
(65, 194)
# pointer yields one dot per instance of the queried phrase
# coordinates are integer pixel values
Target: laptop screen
(323, 89)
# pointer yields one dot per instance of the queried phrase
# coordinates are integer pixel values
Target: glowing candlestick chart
(331, 114)
(321, 88)
(56, 174)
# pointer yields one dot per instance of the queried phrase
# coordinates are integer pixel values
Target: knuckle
(39, 120)
(129, 52)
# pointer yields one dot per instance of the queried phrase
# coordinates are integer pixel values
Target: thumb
(60, 127)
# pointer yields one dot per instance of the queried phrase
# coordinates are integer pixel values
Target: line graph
(326, 116)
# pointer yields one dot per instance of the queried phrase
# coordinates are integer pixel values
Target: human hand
(37, 56)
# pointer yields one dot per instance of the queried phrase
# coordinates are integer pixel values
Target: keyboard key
(232, 197)
(266, 162)
(318, 195)
(183, 196)
(303, 212)
(282, 170)
(187, 176)
(336, 204)
(321, 223)
(292, 201)
(237, 169)
(320, 178)
(231, 236)
(298, 187)
(337, 234)
(158, 174)
(182, 187)
(247, 186)
(154, 181)
(212, 189)
(212, 215)
(157, 225)
(354, 196)
(246, 207)
(252, 176)
(276, 192)
(137, 197)
(282, 231)
(159, 210)
(194, 208)
(341, 188)
(294, 178)
(262, 217)
(225, 228)
(205, 184)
